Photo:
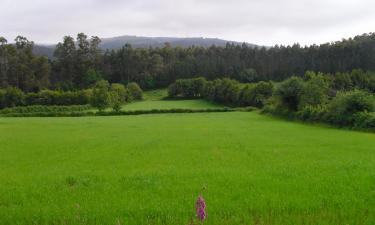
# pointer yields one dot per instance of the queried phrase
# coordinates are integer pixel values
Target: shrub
(288, 93)
(315, 91)
(101, 98)
(135, 91)
(44, 109)
(256, 95)
(119, 95)
(365, 120)
(312, 113)
(13, 97)
(187, 88)
(2, 99)
(345, 105)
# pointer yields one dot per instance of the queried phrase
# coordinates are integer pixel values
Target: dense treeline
(102, 95)
(79, 63)
(343, 99)
(225, 91)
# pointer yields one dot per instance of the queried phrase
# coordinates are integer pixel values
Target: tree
(101, 97)
(135, 91)
(343, 108)
(248, 75)
(289, 93)
(13, 97)
(92, 77)
(119, 95)
(315, 90)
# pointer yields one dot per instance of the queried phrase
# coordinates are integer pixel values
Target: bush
(2, 99)
(312, 113)
(288, 93)
(44, 109)
(13, 97)
(364, 120)
(256, 95)
(101, 97)
(135, 91)
(119, 95)
(345, 105)
(187, 88)
(315, 90)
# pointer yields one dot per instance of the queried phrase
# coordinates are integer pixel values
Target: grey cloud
(265, 22)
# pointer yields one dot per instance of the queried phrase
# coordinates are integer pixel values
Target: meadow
(149, 169)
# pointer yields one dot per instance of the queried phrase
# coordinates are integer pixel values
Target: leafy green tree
(289, 93)
(119, 96)
(248, 75)
(91, 77)
(13, 97)
(315, 90)
(101, 98)
(343, 108)
(135, 91)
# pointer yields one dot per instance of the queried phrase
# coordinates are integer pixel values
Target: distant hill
(145, 42)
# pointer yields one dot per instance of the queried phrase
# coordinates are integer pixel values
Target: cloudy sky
(264, 22)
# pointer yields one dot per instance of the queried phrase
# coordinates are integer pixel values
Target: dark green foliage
(44, 109)
(256, 94)
(248, 76)
(79, 111)
(91, 77)
(79, 63)
(315, 90)
(135, 91)
(342, 109)
(187, 88)
(288, 93)
(49, 97)
(13, 97)
(225, 91)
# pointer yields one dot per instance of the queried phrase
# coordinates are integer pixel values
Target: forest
(78, 63)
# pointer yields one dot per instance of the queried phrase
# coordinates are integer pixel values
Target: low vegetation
(342, 99)
(150, 169)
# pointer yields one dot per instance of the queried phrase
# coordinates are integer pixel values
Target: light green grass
(154, 100)
(171, 104)
(149, 169)
(157, 94)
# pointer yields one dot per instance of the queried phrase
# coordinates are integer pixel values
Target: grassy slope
(171, 104)
(149, 169)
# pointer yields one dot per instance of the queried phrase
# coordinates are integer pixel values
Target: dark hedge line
(120, 113)
(45, 109)
(341, 99)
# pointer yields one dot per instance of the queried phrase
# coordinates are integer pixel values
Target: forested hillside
(80, 63)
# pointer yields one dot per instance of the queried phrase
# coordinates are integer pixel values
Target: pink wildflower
(200, 208)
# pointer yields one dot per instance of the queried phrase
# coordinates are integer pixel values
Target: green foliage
(342, 109)
(13, 97)
(224, 91)
(248, 75)
(119, 95)
(187, 88)
(289, 93)
(44, 109)
(92, 77)
(135, 91)
(50, 97)
(101, 97)
(315, 90)
(256, 94)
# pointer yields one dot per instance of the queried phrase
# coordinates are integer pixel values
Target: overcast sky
(263, 22)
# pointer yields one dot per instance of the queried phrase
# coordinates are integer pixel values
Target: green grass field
(171, 104)
(149, 169)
